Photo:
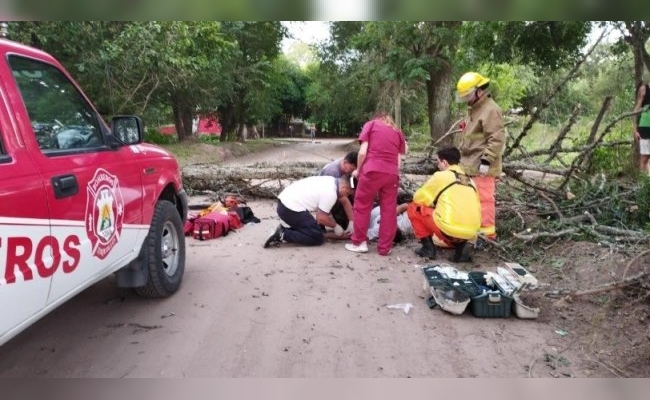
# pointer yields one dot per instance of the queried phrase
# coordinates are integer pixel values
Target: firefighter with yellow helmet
(482, 144)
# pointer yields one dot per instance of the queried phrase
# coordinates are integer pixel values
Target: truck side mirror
(128, 129)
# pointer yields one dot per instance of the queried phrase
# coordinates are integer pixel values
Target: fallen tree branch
(532, 236)
(557, 210)
(575, 149)
(577, 162)
(537, 113)
(517, 175)
(586, 162)
(451, 131)
(632, 260)
(609, 286)
(557, 144)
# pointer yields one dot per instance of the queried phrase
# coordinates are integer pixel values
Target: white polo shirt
(311, 194)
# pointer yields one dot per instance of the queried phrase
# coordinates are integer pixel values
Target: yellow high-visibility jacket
(456, 202)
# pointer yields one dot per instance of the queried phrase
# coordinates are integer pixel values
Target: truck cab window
(61, 118)
(3, 154)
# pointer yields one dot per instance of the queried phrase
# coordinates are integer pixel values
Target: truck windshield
(61, 118)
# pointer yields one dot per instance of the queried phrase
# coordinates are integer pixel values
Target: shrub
(152, 135)
(213, 139)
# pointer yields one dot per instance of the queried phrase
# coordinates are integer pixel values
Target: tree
(126, 67)
(286, 92)
(404, 54)
(77, 45)
(543, 44)
(636, 34)
(183, 64)
(258, 43)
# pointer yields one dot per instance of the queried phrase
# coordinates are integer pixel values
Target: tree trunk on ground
(264, 180)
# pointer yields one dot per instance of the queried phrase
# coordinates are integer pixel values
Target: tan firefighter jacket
(484, 137)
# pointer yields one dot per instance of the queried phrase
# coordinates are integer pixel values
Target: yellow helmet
(468, 83)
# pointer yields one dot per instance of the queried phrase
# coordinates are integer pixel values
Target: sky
(310, 32)
(313, 32)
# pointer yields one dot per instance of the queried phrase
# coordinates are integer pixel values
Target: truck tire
(163, 252)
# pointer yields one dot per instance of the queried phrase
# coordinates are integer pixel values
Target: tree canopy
(170, 71)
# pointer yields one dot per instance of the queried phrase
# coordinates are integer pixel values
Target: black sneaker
(276, 238)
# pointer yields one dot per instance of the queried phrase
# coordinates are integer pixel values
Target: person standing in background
(378, 165)
(482, 145)
(641, 124)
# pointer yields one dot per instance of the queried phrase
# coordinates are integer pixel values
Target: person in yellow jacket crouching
(448, 206)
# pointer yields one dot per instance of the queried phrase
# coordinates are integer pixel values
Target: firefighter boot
(462, 252)
(427, 250)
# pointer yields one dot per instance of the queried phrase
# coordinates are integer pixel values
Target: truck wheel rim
(169, 249)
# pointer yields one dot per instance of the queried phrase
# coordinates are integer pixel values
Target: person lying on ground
(404, 227)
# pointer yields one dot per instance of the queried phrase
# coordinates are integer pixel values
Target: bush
(212, 139)
(608, 160)
(152, 135)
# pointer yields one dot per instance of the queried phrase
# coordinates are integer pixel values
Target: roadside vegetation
(567, 89)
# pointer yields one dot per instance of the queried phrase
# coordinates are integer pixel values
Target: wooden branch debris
(586, 162)
(574, 149)
(609, 286)
(538, 111)
(557, 144)
(266, 181)
(526, 236)
(451, 131)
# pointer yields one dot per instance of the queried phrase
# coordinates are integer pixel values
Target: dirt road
(245, 311)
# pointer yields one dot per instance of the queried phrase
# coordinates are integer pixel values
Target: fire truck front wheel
(163, 252)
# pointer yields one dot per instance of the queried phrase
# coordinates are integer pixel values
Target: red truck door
(94, 192)
(28, 252)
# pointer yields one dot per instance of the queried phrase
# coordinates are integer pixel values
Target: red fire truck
(79, 200)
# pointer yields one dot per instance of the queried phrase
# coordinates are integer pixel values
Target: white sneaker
(361, 248)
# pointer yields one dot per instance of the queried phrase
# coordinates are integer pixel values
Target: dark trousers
(303, 228)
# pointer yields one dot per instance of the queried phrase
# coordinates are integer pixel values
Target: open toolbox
(449, 288)
(491, 302)
(488, 294)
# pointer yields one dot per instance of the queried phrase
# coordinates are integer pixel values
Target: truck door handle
(65, 186)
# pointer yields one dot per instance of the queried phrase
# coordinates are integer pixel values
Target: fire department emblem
(104, 212)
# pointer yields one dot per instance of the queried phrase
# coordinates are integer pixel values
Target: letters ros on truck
(79, 200)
